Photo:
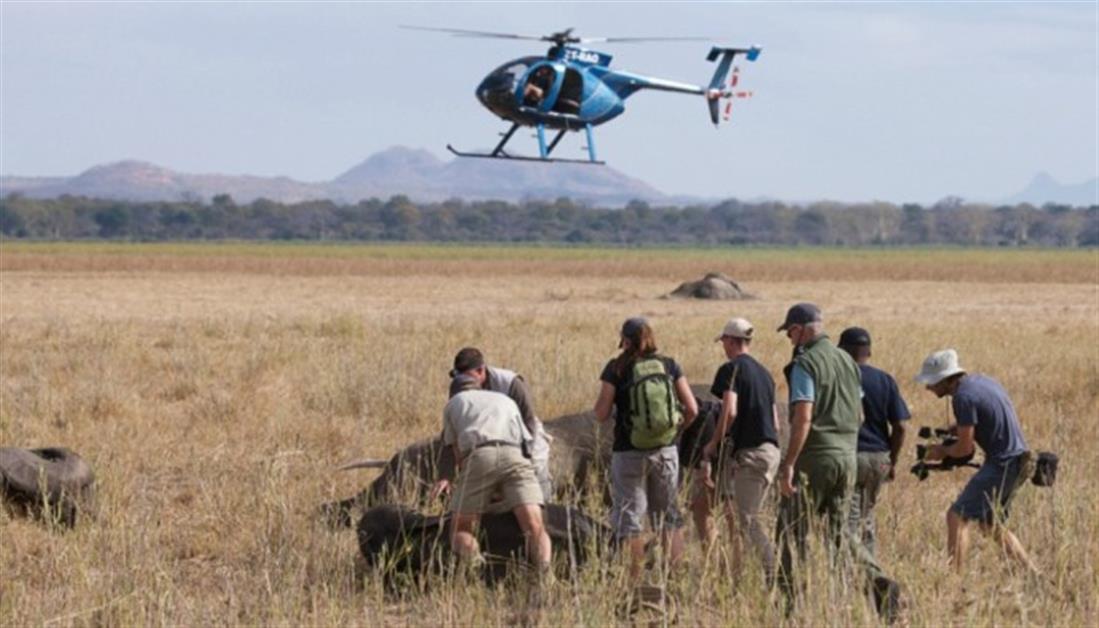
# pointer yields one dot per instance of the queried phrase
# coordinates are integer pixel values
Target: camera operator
(881, 435)
(985, 415)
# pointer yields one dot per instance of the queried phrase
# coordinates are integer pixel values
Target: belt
(496, 443)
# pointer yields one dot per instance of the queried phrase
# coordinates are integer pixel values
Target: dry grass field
(215, 388)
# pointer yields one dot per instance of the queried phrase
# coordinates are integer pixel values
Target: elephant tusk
(365, 463)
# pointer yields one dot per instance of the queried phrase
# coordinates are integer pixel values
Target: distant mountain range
(415, 173)
(421, 176)
(1043, 188)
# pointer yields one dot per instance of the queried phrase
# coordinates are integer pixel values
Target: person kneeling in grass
(489, 439)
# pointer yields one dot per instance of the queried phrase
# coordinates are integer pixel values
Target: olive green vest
(837, 409)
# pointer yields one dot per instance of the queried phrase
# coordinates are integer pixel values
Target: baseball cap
(801, 314)
(467, 359)
(632, 327)
(855, 337)
(736, 328)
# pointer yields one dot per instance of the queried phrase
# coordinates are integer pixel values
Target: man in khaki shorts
(486, 431)
(746, 437)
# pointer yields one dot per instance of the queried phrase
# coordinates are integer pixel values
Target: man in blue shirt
(985, 416)
(881, 435)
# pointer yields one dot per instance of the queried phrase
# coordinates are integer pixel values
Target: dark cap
(855, 337)
(632, 328)
(467, 359)
(801, 314)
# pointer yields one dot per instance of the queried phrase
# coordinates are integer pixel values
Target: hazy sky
(895, 101)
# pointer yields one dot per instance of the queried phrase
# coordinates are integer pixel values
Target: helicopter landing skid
(502, 155)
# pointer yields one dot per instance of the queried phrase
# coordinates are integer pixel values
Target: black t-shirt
(755, 401)
(881, 404)
(622, 398)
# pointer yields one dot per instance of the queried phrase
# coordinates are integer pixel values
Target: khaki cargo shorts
(644, 483)
(495, 470)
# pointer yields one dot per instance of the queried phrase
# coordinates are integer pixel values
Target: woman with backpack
(653, 403)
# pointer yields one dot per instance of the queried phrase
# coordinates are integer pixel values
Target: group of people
(846, 431)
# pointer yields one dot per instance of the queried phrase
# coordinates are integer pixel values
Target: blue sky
(853, 101)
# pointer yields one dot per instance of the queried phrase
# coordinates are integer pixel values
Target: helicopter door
(571, 94)
(539, 86)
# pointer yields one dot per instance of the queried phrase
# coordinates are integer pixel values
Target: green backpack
(654, 409)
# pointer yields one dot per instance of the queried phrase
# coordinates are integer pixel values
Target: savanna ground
(215, 388)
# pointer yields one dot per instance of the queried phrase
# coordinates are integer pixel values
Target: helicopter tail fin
(715, 93)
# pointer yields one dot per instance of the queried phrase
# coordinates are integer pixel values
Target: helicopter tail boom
(715, 93)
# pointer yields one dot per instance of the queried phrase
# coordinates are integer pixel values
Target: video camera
(945, 437)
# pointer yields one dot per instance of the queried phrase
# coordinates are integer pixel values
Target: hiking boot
(888, 599)
(1028, 464)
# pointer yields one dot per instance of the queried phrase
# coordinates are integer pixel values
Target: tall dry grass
(215, 404)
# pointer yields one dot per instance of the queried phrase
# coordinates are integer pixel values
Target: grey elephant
(51, 483)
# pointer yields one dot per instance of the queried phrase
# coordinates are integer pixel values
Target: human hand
(935, 452)
(892, 475)
(709, 451)
(704, 474)
(786, 480)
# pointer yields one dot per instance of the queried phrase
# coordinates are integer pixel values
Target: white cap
(736, 328)
(939, 366)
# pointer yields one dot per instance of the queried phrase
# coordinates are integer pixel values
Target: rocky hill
(417, 174)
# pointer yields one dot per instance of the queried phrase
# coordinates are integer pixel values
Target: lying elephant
(580, 451)
(407, 542)
(51, 483)
(580, 447)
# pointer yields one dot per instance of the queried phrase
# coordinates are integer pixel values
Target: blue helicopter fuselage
(568, 89)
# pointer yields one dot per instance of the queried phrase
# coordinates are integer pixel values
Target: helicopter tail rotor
(717, 91)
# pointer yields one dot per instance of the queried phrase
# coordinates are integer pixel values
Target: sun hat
(736, 328)
(801, 314)
(939, 366)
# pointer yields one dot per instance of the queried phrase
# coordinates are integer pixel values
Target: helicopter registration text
(579, 55)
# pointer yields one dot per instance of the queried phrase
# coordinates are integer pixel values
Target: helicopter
(573, 88)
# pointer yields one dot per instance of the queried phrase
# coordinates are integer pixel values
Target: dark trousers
(825, 484)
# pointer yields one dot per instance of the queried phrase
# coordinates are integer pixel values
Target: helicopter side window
(568, 101)
(538, 86)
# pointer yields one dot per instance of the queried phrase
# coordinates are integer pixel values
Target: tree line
(951, 221)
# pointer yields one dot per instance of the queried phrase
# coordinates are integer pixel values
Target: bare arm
(724, 422)
(799, 431)
(896, 441)
(687, 398)
(774, 416)
(605, 402)
(960, 449)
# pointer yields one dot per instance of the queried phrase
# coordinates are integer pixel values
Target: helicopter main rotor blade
(461, 32)
(632, 40)
(563, 37)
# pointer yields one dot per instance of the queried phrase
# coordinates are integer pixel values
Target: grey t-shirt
(474, 417)
(981, 401)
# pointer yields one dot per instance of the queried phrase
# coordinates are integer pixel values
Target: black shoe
(888, 599)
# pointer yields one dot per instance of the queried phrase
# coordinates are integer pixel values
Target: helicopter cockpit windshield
(497, 90)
